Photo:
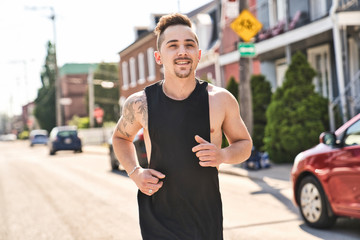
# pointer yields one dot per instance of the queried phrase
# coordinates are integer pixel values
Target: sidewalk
(275, 171)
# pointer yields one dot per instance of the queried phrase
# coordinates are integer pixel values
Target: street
(77, 196)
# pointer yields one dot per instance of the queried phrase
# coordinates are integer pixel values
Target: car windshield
(69, 133)
(39, 136)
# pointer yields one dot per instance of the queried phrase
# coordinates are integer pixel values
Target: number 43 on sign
(246, 25)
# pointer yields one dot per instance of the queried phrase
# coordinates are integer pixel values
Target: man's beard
(187, 74)
(183, 75)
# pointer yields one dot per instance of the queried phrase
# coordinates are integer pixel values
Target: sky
(86, 31)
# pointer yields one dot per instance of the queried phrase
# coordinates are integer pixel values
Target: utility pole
(59, 120)
(90, 79)
(245, 96)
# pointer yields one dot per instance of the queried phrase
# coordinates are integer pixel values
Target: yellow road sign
(246, 25)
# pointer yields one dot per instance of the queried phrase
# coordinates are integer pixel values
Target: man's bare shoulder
(134, 115)
(219, 93)
(135, 108)
(136, 96)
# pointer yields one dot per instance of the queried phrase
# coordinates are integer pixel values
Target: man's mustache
(183, 59)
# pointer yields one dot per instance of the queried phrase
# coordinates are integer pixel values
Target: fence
(95, 136)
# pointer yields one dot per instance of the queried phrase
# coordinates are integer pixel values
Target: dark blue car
(64, 138)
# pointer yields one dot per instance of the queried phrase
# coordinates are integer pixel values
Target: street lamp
(57, 79)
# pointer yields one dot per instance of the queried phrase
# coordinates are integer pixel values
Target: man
(183, 119)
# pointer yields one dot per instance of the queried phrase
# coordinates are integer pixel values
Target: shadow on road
(344, 228)
(275, 192)
(119, 172)
(260, 224)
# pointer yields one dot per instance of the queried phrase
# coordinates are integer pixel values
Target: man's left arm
(240, 142)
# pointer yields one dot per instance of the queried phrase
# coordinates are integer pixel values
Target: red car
(326, 178)
(140, 151)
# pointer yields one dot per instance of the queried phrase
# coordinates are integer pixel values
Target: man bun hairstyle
(170, 20)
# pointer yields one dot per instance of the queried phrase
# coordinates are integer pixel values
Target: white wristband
(135, 168)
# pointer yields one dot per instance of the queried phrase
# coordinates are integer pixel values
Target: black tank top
(188, 206)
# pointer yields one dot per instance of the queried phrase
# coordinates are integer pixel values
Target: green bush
(80, 122)
(261, 97)
(24, 135)
(296, 115)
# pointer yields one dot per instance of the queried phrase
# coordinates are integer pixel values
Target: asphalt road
(77, 196)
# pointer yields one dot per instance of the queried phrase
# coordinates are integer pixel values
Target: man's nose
(182, 50)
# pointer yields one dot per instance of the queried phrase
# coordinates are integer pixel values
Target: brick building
(74, 88)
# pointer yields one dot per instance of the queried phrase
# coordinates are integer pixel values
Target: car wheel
(113, 161)
(52, 152)
(78, 151)
(313, 203)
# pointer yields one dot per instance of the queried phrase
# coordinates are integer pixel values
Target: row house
(137, 66)
(74, 89)
(328, 33)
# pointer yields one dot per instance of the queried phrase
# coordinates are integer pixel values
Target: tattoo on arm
(121, 131)
(143, 109)
(136, 105)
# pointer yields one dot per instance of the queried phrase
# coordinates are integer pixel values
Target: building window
(263, 13)
(299, 10)
(141, 62)
(125, 75)
(151, 64)
(276, 12)
(317, 9)
(132, 72)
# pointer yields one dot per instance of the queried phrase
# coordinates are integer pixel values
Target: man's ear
(157, 57)
(199, 54)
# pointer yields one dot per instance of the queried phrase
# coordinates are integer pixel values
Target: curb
(235, 169)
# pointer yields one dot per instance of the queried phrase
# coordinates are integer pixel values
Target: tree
(233, 88)
(296, 115)
(261, 97)
(107, 98)
(45, 108)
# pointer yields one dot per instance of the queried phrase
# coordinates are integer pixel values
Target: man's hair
(170, 20)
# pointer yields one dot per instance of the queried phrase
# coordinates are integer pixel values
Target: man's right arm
(134, 117)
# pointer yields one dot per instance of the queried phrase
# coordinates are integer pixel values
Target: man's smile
(182, 61)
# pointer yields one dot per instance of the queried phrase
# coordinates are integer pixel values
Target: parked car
(8, 137)
(140, 151)
(38, 136)
(326, 178)
(64, 138)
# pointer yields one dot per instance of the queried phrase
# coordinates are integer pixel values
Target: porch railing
(348, 5)
(352, 91)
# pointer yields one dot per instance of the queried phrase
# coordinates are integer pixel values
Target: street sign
(246, 25)
(246, 49)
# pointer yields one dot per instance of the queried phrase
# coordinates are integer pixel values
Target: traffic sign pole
(246, 29)
(246, 49)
